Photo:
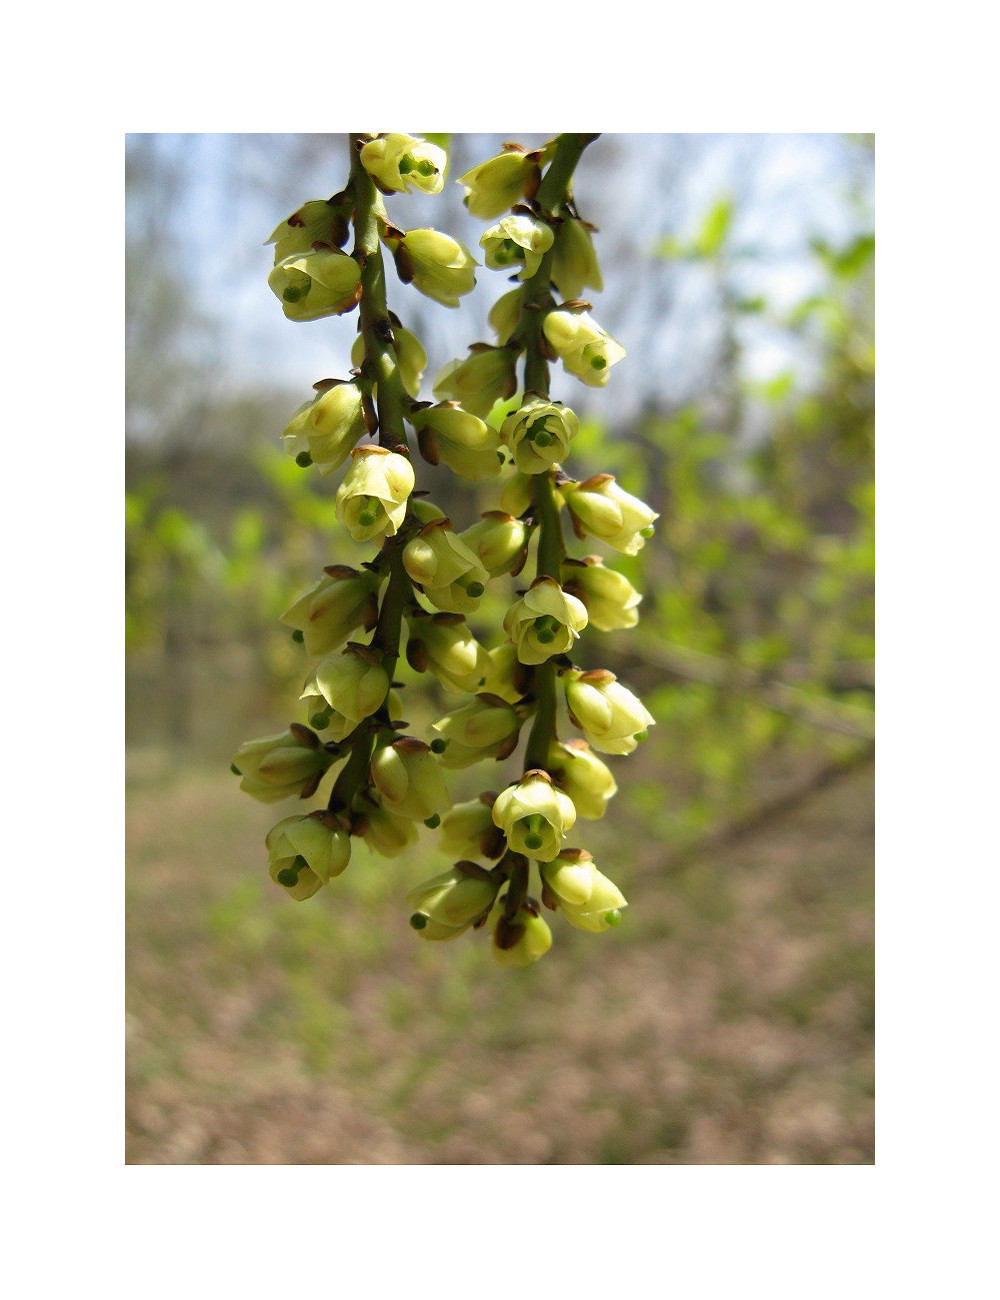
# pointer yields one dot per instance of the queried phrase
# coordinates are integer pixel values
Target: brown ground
(729, 1020)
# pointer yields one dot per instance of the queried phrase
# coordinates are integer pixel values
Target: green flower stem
(536, 300)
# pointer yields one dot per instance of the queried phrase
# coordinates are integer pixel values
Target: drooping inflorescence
(407, 599)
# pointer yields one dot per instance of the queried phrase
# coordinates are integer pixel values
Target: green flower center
(296, 292)
(546, 628)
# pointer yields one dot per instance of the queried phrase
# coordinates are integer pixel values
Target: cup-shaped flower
(446, 905)
(517, 240)
(539, 434)
(344, 599)
(321, 282)
(463, 441)
(353, 683)
(497, 184)
(468, 829)
(439, 266)
(278, 767)
(534, 815)
(586, 350)
(371, 501)
(544, 622)
(516, 494)
(600, 508)
(499, 540)
(409, 780)
(611, 600)
(522, 938)
(505, 314)
(574, 262)
(575, 768)
(384, 832)
(587, 899)
(319, 221)
(443, 644)
(404, 162)
(410, 358)
(450, 574)
(486, 727)
(506, 676)
(485, 377)
(612, 719)
(305, 853)
(327, 428)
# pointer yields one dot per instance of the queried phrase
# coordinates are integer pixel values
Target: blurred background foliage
(745, 415)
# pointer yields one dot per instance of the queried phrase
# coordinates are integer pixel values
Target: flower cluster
(420, 576)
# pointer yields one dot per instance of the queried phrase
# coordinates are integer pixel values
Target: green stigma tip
(319, 720)
(298, 635)
(303, 459)
(597, 363)
(235, 770)
(640, 736)
(475, 589)
(419, 921)
(613, 918)
(532, 841)
(293, 294)
(433, 822)
(286, 876)
(648, 531)
(439, 746)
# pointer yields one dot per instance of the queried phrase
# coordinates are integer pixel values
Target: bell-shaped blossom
(517, 240)
(534, 816)
(600, 508)
(521, 939)
(439, 266)
(575, 768)
(516, 494)
(611, 600)
(497, 184)
(612, 719)
(353, 683)
(486, 727)
(305, 853)
(343, 600)
(506, 676)
(505, 314)
(328, 427)
(485, 377)
(452, 578)
(319, 221)
(404, 162)
(383, 832)
(499, 540)
(545, 621)
(587, 899)
(446, 905)
(574, 261)
(463, 441)
(468, 829)
(586, 350)
(371, 501)
(443, 644)
(320, 282)
(539, 434)
(409, 779)
(278, 767)
(411, 358)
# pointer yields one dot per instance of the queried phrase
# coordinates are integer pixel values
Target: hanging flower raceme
(539, 434)
(325, 431)
(371, 501)
(517, 240)
(534, 815)
(612, 719)
(586, 350)
(545, 621)
(320, 282)
(404, 162)
(282, 766)
(600, 508)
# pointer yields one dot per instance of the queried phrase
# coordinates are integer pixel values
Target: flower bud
(443, 644)
(585, 349)
(320, 221)
(404, 162)
(485, 377)
(468, 830)
(410, 358)
(278, 767)
(486, 727)
(383, 832)
(409, 779)
(371, 501)
(521, 939)
(534, 816)
(321, 282)
(575, 768)
(516, 494)
(517, 240)
(539, 434)
(305, 853)
(439, 266)
(610, 598)
(343, 600)
(506, 676)
(499, 540)
(353, 683)
(601, 509)
(574, 262)
(449, 903)
(587, 899)
(451, 576)
(462, 440)
(505, 315)
(497, 184)
(328, 427)
(544, 622)
(608, 714)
